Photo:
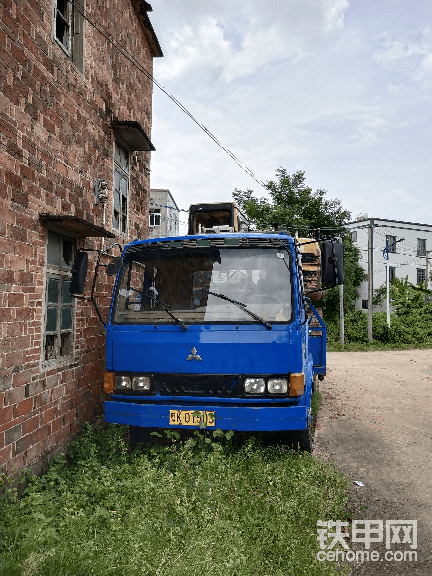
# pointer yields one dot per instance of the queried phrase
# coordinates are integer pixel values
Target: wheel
(315, 384)
(139, 435)
(303, 439)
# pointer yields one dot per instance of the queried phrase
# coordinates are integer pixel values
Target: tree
(295, 207)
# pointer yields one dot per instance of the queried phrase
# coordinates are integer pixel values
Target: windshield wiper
(162, 305)
(241, 306)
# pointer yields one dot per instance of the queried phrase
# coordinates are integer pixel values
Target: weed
(192, 506)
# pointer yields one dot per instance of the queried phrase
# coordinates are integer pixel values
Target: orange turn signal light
(109, 382)
(296, 384)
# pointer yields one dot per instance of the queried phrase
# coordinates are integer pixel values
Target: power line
(141, 68)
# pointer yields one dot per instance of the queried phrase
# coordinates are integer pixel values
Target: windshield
(196, 284)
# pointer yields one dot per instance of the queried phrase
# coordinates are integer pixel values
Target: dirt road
(375, 424)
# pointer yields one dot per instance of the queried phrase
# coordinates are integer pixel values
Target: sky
(340, 89)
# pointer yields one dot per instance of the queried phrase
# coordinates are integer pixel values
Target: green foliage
(353, 277)
(297, 208)
(405, 298)
(293, 207)
(410, 321)
(193, 507)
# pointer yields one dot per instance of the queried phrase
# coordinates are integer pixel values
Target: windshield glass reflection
(180, 280)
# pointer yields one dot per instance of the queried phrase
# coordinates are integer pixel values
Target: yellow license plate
(191, 418)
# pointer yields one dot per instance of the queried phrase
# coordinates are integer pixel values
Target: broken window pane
(66, 344)
(115, 219)
(121, 187)
(50, 346)
(67, 253)
(116, 200)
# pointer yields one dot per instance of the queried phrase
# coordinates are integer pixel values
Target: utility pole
(370, 277)
(341, 315)
(427, 275)
(388, 293)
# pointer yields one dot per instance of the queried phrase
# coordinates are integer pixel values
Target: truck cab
(211, 330)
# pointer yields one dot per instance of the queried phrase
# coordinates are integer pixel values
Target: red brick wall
(55, 139)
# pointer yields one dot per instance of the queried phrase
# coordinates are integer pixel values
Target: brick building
(75, 109)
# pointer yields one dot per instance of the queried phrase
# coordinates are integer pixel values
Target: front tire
(303, 439)
(139, 436)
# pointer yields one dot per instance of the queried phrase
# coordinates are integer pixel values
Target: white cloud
(204, 47)
(372, 129)
(407, 53)
(398, 46)
(335, 89)
(271, 31)
(424, 70)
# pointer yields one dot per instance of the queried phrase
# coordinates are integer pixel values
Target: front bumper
(228, 417)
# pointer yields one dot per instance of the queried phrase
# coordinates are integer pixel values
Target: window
(354, 236)
(365, 304)
(421, 275)
(391, 240)
(121, 189)
(69, 29)
(207, 282)
(155, 217)
(59, 306)
(421, 247)
(392, 273)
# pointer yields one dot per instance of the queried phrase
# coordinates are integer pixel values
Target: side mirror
(79, 273)
(114, 266)
(332, 263)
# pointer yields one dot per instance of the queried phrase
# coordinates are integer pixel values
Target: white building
(409, 245)
(163, 214)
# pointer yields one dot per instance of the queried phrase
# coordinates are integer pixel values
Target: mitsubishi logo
(194, 354)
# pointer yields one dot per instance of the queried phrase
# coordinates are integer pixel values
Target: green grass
(188, 508)
(373, 346)
(315, 406)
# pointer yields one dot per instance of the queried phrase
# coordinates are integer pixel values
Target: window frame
(421, 272)
(124, 173)
(73, 19)
(354, 235)
(365, 304)
(61, 272)
(67, 21)
(392, 273)
(391, 239)
(156, 213)
(421, 247)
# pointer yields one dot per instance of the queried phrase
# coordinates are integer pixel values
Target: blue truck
(212, 328)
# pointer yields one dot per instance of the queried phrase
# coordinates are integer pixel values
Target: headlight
(277, 386)
(141, 383)
(254, 385)
(122, 382)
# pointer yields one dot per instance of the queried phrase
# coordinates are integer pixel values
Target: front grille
(196, 384)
